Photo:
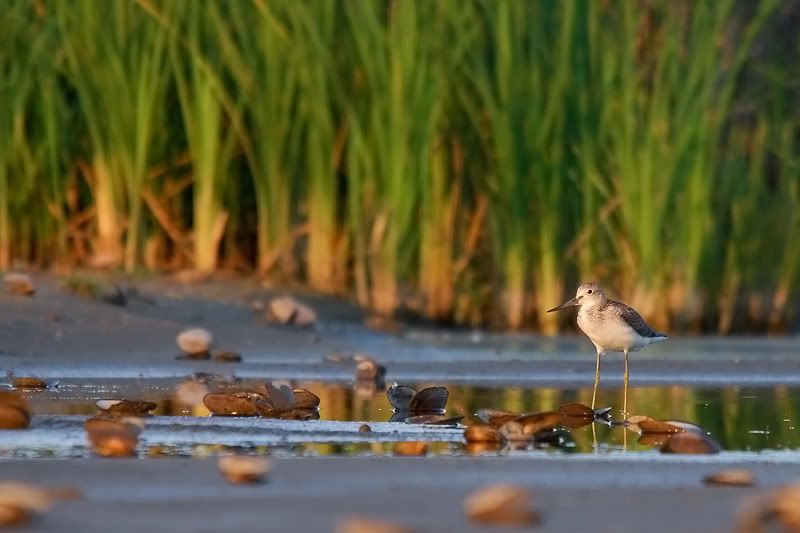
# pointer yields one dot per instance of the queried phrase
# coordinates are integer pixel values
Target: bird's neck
(588, 307)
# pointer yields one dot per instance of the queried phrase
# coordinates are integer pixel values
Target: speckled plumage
(611, 326)
(613, 310)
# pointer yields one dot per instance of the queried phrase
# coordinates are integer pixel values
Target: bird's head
(588, 294)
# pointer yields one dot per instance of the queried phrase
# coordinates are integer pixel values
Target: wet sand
(59, 335)
(573, 494)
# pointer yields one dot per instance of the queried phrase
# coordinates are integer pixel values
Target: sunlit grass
(469, 161)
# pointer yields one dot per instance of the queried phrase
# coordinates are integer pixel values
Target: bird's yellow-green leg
(625, 393)
(596, 377)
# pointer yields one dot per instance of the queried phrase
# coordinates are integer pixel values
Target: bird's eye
(589, 291)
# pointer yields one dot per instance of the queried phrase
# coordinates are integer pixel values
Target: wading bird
(612, 327)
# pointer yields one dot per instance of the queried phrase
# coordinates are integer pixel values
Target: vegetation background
(469, 161)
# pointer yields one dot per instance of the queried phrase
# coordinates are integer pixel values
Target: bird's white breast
(611, 333)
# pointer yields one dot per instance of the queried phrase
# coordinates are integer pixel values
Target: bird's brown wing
(634, 320)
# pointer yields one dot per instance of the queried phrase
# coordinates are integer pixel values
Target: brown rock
(368, 525)
(369, 370)
(576, 410)
(240, 469)
(236, 403)
(304, 399)
(690, 443)
(735, 477)
(287, 310)
(780, 506)
(28, 382)
(113, 437)
(195, 341)
(364, 428)
(19, 502)
(501, 505)
(13, 515)
(658, 426)
(532, 424)
(14, 412)
(483, 433)
(18, 284)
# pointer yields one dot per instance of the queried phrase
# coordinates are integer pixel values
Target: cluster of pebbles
(266, 400)
(115, 430)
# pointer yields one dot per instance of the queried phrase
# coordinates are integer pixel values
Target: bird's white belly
(611, 335)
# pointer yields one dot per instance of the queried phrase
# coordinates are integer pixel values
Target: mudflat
(58, 335)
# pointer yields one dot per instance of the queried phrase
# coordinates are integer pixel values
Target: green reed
(392, 117)
(116, 60)
(465, 160)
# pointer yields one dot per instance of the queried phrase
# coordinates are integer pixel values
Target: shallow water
(739, 419)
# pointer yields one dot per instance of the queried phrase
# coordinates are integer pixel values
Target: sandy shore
(311, 494)
(59, 335)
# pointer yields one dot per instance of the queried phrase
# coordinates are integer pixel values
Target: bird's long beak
(569, 303)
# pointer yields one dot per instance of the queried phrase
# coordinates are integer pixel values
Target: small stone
(781, 505)
(126, 407)
(532, 424)
(410, 448)
(369, 370)
(654, 440)
(364, 428)
(501, 505)
(195, 341)
(483, 433)
(19, 502)
(735, 477)
(18, 284)
(12, 515)
(304, 399)
(287, 310)
(368, 525)
(224, 356)
(113, 437)
(241, 469)
(576, 410)
(14, 413)
(236, 403)
(658, 426)
(28, 382)
(690, 443)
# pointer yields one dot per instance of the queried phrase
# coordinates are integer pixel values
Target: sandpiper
(612, 327)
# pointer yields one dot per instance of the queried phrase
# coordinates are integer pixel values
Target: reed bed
(468, 162)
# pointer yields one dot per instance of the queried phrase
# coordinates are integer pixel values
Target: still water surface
(739, 419)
